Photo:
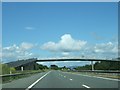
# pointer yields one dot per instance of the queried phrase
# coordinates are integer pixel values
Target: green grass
(106, 75)
(26, 73)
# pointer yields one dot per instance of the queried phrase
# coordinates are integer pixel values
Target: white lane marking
(94, 76)
(101, 77)
(71, 79)
(85, 86)
(37, 81)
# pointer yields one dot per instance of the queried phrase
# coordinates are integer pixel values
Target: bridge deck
(49, 60)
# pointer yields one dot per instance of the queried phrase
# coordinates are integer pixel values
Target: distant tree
(103, 65)
(86, 67)
(42, 66)
(45, 67)
(107, 65)
(12, 70)
(6, 69)
(55, 67)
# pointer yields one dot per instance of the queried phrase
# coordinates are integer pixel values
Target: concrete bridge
(24, 64)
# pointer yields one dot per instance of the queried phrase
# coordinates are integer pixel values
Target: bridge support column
(92, 64)
(22, 68)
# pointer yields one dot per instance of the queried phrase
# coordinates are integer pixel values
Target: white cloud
(11, 48)
(66, 44)
(22, 47)
(66, 47)
(15, 52)
(51, 46)
(106, 47)
(26, 46)
(102, 50)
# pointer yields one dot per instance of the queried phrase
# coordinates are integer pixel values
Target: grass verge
(24, 74)
(105, 75)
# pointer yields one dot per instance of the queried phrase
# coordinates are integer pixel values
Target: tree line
(102, 65)
(5, 69)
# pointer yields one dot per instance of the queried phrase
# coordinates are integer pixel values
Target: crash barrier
(10, 77)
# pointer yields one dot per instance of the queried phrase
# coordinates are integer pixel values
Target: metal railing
(95, 71)
(16, 74)
(10, 77)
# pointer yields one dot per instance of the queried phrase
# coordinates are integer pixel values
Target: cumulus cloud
(102, 50)
(69, 46)
(106, 47)
(15, 52)
(23, 46)
(66, 44)
(26, 46)
(11, 48)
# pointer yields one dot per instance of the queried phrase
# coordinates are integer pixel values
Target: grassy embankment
(4, 70)
(105, 75)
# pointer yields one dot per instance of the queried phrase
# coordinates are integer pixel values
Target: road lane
(23, 82)
(56, 80)
(93, 82)
(33, 84)
(59, 79)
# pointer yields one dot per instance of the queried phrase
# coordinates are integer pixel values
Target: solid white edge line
(37, 81)
(94, 76)
(85, 86)
(101, 77)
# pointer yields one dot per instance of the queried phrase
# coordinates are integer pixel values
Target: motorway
(59, 79)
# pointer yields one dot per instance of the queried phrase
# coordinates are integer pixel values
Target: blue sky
(44, 29)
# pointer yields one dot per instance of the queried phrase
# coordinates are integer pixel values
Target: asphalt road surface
(59, 79)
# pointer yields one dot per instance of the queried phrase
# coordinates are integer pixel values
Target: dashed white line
(71, 79)
(85, 86)
(93, 76)
(37, 81)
